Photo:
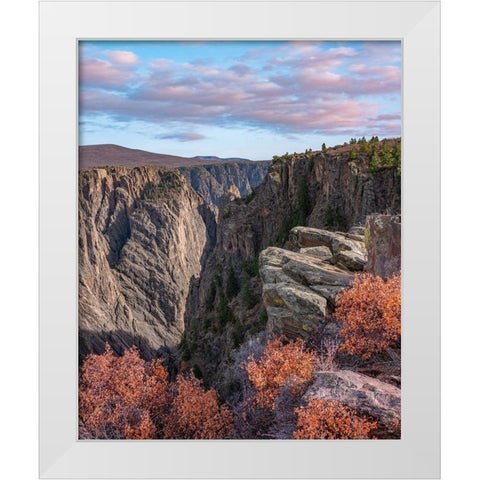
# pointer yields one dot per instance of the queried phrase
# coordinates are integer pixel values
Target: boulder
(369, 396)
(300, 287)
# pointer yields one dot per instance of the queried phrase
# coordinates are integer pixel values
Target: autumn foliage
(121, 397)
(128, 398)
(370, 315)
(195, 413)
(321, 419)
(280, 365)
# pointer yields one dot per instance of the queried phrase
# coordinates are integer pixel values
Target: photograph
(239, 239)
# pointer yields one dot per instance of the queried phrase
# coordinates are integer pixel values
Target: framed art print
(231, 196)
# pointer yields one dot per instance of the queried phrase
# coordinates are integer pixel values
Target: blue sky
(247, 99)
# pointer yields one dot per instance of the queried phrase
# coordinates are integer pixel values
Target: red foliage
(330, 420)
(121, 397)
(281, 365)
(196, 413)
(127, 397)
(370, 313)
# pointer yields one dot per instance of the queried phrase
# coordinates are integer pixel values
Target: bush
(196, 413)
(249, 299)
(238, 334)
(330, 420)
(370, 314)
(129, 398)
(232, 287)
(280, 365)
(225, 313)
(121, 397)
(374, 164)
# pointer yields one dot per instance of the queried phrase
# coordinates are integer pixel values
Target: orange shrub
(118, 394)
(330, 420)
(281, 365)
(370, 315)
(196, 413)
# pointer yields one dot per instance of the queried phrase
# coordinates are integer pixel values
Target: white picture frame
(417, 25)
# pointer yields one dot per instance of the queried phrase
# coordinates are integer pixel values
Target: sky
(237, 99)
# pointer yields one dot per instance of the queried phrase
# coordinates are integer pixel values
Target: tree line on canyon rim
(266, 377)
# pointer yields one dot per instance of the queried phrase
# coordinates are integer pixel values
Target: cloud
(298, 87)
(122, 57)
(181, 136)
(103, 74)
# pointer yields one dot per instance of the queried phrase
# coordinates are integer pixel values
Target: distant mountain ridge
(111, 155)
(220, 159)
(210, 176)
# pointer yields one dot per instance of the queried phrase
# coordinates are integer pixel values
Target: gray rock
(321, 252)
(142, 235)
(367, 395)
(383, 238)
(300, 288)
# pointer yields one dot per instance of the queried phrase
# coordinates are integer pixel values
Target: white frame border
(417, 24)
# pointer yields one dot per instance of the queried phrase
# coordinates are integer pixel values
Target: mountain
(117, 156)
(219, 159)
(210, 176)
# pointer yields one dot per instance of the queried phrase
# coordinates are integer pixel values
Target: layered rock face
(213, 181)
(300, 288)
(383, 239)
(143, 235)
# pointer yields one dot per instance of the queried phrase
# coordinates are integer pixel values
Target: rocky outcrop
(300, 288)
(144, 236)
(383, 241)
(368, 396)
(212, 181)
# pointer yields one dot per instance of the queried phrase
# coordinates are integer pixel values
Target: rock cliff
(144, 236)
(327, 190)
(212, 181)
(383, 239)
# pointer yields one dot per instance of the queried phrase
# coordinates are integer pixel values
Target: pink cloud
(122, 57)
(103, 73)
(301, 88)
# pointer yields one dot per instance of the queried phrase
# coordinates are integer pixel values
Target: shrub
(321, 419)
(232, 287)
(121, 397)
(290, 364)
(386, 155)
(225, 313)
(196, 413)
(324, 147)
(238, 334)
(353, 154)
(370, 315)
(374, 164)
(249, 299)
(397, 154)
